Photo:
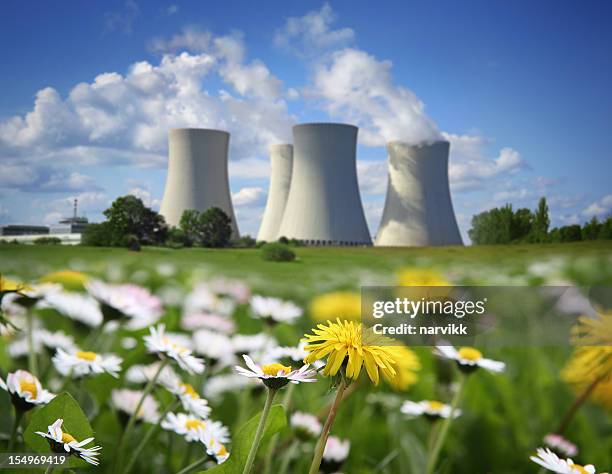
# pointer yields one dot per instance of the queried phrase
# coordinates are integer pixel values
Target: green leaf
(243, 440)
(75, 422)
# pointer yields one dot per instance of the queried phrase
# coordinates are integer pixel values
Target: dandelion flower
(306, 424)
(275, 310)
(70, 279)
(79, 363)
(430, 408)
(421, 277)
(549, 460)
(407, 364)
(159, 343)
(343, 343)
(126, 401)
(276, 375)
(63, 442)
(336, 452)
(343, 304)
(25, 390)
(468, 359)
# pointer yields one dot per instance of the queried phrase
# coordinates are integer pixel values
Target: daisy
(214, 346)
(31, 294)
(252, 343)
(25, 390)
(275, 310)
(430, 408)
(344, 345)
(214, 447)
(235, 289)
(63, 442)
(76, 306)
(128, 300)
(126, 401)
(41, 338)
(306, 424)
(189, 398)
(560, 445)
(214, 322)
(549, 460)
(203, 299)
(336, 452)
(218, 385)
(468, 359)
(159, 343)
(276, 375)
(141, 374)
(79, 363)
(192, 428)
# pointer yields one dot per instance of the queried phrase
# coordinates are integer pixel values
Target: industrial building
(324, 205)
(197, 174)
(281, 164)
(418, 207)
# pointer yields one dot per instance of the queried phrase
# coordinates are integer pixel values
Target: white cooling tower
(418, 208)
(324, 205)
(197, 174)
(281, 162)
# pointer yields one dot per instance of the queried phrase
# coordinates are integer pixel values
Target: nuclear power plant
(324, 206)
(418, 208)
(314, 193)
(281, 164)
(197, 174)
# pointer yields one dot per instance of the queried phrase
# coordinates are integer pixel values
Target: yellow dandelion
(344, 304)
(70, 279)
(7, 285)
(345, 345)
(407, 364)
(421, 277)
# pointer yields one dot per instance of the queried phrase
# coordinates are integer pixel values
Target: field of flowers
(166, 361)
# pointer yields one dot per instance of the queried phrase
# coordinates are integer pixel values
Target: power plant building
(197, 174)
(324, 205)
(281, 163)
(418, 207)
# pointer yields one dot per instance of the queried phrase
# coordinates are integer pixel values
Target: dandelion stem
(32, 363)
(260, 431)
(569, 414)
(16, 422)
(172, 406)
(133, 417)
(443, 432)
(274, 441)
(320, 448)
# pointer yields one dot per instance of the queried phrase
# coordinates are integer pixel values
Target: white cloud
(312, 33)
(122, 20)
(372, 176)
(52, 218)
(249, 197)
(172, 9)
(601, 208)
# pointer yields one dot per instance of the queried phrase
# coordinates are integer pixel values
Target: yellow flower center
(67, 438)
(579, 468)
(28, 386)
(189, 390)
(273, 369)
(435, 406)
(85, 355)
(193, 424)
(222, 451)
(469, 353)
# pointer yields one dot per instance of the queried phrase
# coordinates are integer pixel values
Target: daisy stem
(49, 469)
(193, 466)
(171, 407)
(320, 448)
(569, 414)
(16, 422)
(274, 441)
(443, 432)
(260, 431)
(32, 365)
(132, 421)
(289, 456)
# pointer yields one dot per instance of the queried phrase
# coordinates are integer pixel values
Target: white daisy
(218, 385)
(159, 343)
(560, 445)
(252, 343)
(126, 401)
(468, 358)
(203, 300)
(41, 338)
(214, 322)
(63, 442)
(214, 447)
(141, 374)
(189, 426)
(214, 346)
(235, 289)
(79, 363)
(132, 301)
(306, 423)
(189, 397)
(336, 451)
(31, 294)
(275, 310)
(549, 460)
(429, 408)
(76, 306)
(276, 375)
(25, 390)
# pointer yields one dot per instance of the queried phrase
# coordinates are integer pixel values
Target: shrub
(48, 241)
(132, 242)
(277, 253)
(244, 242)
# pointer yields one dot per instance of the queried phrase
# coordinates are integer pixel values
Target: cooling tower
(281, 162)
(324, 206)
(197, 174)
(418, 208)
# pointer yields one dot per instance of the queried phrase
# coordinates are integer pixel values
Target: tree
(606, 229)
(522, 225)
(129, 216)
(541, 222)
(98, 235)
(190, 226)
(591, 229)
(493, 226)
(215, 228)
(570, 233)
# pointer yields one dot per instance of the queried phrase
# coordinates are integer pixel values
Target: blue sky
(521, 89)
